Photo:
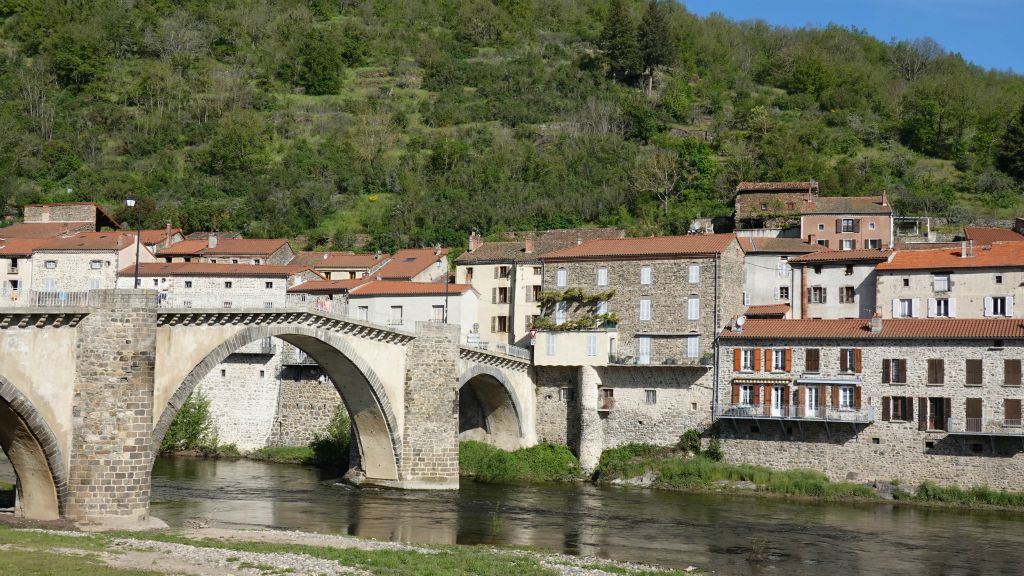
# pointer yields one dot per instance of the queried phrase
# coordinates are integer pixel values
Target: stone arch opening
(376, 435)
(489, 410)
(34, 454)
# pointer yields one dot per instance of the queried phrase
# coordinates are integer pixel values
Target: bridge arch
(34, 453)
(489, 408)
(377, 434)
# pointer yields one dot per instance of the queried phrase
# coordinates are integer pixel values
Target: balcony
(985, 427)
(627, 357)
(801, 413)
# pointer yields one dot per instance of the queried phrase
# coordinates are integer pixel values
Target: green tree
(619, 43)
(655, 41)
(238, 146)
(1009, 155)
(322, 64)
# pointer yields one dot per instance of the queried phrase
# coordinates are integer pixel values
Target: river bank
(218, 551)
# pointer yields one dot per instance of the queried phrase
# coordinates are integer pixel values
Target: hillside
(414, 121)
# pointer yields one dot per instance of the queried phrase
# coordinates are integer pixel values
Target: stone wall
(776, 207)
(557, 406)
(111, 449)
(243, 395)
(306, 403)
(74, 271)
(60, 213)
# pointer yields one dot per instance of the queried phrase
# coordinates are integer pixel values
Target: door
(973, 415)
(813, 402)
(778, 401)
(363, 313)
(644, 350)
(937, 414)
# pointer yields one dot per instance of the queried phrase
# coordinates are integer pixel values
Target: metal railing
(473, 341)
(58, 298)
(995, 426)
(626, 357)
(790, 412)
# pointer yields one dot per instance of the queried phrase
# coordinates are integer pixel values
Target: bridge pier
(111, 457)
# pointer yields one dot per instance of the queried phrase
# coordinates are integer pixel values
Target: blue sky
(989, 33)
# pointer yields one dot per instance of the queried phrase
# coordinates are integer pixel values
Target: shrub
(330, 450)
(545, 462)
(714, 451)
(690, 442)
(192, 427)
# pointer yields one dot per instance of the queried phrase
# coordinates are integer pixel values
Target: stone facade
(112, 454)
(307, 400)
(813, 282)
(769, 209)
(888, 443)
(83, 212)
(967, 290)
(243, 396)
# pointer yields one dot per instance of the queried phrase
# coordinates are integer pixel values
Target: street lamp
(130, 202)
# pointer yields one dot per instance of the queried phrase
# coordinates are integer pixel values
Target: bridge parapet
(280, 316)
(495, 357)
(41, 316)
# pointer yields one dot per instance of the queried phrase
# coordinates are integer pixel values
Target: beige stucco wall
(462, 310)
(969, 288)
(833, 277)
(570, 348)
(765, 273)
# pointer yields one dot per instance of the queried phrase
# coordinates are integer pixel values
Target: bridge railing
(57, 298)
(473, 341)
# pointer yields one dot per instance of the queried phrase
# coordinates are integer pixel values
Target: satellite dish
(741, 321)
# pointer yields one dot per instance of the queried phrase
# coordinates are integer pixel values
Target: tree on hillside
(657, 174)
(321, 66)
(1010, 150)
(618, 42)
(654, 37)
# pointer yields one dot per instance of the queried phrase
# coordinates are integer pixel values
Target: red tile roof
(225, 247)
(776, 186)
(157, 236)
(328, 286)
(655, 246)
(399, 288)
(987, 235)
(892, 329)
(406, 264)
(45, 229)
(862, 255)
(21, 246)
(846, 205)
(767, 311)
(998, 255)
(924, 245)
(514, 249)
(339, 259)
(210, 269)
(87, 241)
(751, 244)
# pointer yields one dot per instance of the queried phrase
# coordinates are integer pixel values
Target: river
(711, 531)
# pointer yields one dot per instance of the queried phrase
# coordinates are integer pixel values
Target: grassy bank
(977, 496)
(128, 553)
(284, 455)
(544, 462)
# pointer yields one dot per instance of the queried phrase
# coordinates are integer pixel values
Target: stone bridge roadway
(86, 395)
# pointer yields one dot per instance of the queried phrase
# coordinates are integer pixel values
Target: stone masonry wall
(682, 401)
(243, 395)
(886, 450)
(73, 272)
(60, 213)
(111, 449)
(557, 406)
(430, 444)
(307, 401)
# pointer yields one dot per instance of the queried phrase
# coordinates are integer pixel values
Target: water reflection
(724, 533)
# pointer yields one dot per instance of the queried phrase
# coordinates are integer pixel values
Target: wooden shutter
(856, 225)
(856, 360)
(811, 360)
(801, 400)
(853, 244)
(767, 399)
(974, 371)
(835, 397)
(757, 359)
(839, 225)
(885, 409)
(1011, 372)
(886, 371)
(856, 397)
(789, 359)
(785, 395)
(494, 324)
(844, 365)
(496, 273)
(821, 399)
(973, 408)
(947, 411)
(494, 294)
(922, 413)
(1011, 410)
(737, 359)
(735, 393)
(908, 403)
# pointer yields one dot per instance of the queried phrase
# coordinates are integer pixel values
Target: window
(694, 273)
(607, 399)
(395, 318)
(502, 271)
(847, 244)
(848, 225)
(764, 205)
(746, 299)
(561, 312)
(747, 362)
(938, 410)
(650, 397)
(999, 278)
(602, 307)
(940, 282)
(227, 285)
(94, 284)
(693, 308)
(537, 271)
(602, 276)
(499, 324)
(936, 371)
(941, 307)
(643, 350)
(533, 293)
(1011, 412)
(223, 373)
(645, 309)
(50, 264)
(897, 408)
(813, 399)
(779, 359)
(821, 227)
(847, 295)
(234, 260)
(999, 306)
(188, 283)
(95, 264)
(747, 394)
(784, 267)
(437, 313)
(566, 394)
(812, 360)
(894, 371)
(692, 346)
(591, 344)
(975, 373)
(562, 278)
(155, 282)
(363, 313)
(469, 274)
(871, 225)
(817, 295)
(817, 269)
(783, 292)
(551, 343)
(903, 308)
(849, 270)
(1011, 372)
(645, 275)
(849, 360)
(906, 282)
(873, 244)
(268, 285)
(501, 295)
(256, 261)
(846, 398)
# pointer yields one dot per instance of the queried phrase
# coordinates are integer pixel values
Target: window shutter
(895, 308)
(915, 308)
(767, 403)
(885, 409)
(769, 360)
(856, 226)
(886, 371)
(952, 307)
(856, 360)
(853, 244)
(812, 359)
(856, 397)
(903, 370)
(737, 359)
(735, 394)
(931, 307)
(922, 413)
(1009, 306)
(494, 295)
(948, 410)
(496, 274)
(908, 402)
(789, 359)
(757, 359)
(1011, 411)
(821, 398)
(1011, 372)
(786, 398)
(801, 400)
(988, 306)
(835, 397)
(494, 324)
(932, 371)
(839, 225)
(844, 363)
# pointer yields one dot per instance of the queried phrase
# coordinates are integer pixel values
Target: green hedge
(541, 463)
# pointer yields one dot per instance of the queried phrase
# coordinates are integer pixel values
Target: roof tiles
(997, 255)
(862, 255)
(987, 235)
(776, 186)
(846, 205)
(216, 270)
(892, 329)
(655, 246)
(406, 264)
(400, 288)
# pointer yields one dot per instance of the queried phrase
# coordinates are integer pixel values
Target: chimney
(885, 198)
(970, 248)
(528, 245)
(811, 238)
(579, 239)
(376, 255)
(876, 323)
(211, 240)
(168, 233)
(475, 241)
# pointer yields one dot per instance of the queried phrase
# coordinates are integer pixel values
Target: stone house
(969, 281)
(158, 239)
(208, 285)
(415, 265)
(773, 205)
(341, 265)
(508, 275)
(671, 294)
(835, 284)
(401, 305)
(848, 222)
(907, 399)
(217, 250)
(16, 267)
(70, 212)
(85, 261)
(767, 271)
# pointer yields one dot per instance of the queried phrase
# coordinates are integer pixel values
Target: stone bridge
(87, 394)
